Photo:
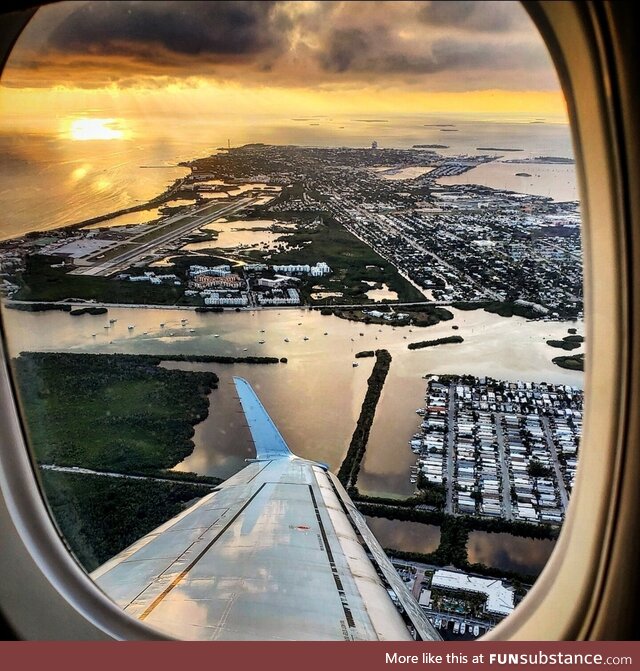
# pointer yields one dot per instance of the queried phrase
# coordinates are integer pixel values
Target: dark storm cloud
(157, 31)
(488, 16)
(358, 52)
(151, 44)
(346, 49)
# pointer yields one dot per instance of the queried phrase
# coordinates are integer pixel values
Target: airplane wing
(277, 552)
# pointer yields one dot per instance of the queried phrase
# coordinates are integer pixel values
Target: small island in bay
(573, 362)
(567, 343)
(496, 149)
(430, 146)
(433, 343)
(554, 160)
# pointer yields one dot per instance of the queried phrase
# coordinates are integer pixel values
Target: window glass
(367, 210)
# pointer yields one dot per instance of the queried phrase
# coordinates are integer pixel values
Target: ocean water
(48, 181)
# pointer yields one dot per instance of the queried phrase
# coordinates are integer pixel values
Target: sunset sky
(126, 60)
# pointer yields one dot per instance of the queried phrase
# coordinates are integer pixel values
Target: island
(433, 343)
(572, 362)
(430, 146)
(497, 149)
(567, 343)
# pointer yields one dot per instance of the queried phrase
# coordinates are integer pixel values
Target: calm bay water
(47, 181)
(315, 398)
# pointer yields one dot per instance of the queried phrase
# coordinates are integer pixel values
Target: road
(194, 220)
(451, 433)
(86, 471)
(402, 230)
(564, 497)
(507, 508)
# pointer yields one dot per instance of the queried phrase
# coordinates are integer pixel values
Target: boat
(246, 349)
(413, 480)
(112, 321)
(145, 333)
(463, 628)
(355, 364)
(261, 330)
(192, 330)
(106, 326)
(215, 335)
(161, 325)
(325, 333)
(286, 339)
(456, 627)
(476, 630)
(184, 321)
(261, 342)
(362, 334)
(171, 334)
(93, 335)
(420, 411)
(130, 327)
(306, 338)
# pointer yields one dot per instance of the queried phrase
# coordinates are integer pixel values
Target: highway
(87, 471)
(193, 220)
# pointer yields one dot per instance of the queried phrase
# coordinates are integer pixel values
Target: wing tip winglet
(268, 441)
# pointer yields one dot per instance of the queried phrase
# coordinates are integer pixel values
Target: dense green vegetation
(77, 312)
(536, 469)
(573, 362)
(110, 411)
(437, 341)
(501, 308)
(348, 473)
(567, 343)
(100, 516)
(394, 509)
(41, 282)
(213, 358)
(38, 307)
(427, 315)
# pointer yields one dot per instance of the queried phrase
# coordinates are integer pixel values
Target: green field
(348, 257)
(41, 282)
(110, 411)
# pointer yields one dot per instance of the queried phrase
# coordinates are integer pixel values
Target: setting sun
(96, 129)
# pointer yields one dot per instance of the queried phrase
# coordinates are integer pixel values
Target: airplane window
(246, 245)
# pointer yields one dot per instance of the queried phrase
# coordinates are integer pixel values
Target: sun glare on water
(96, 129)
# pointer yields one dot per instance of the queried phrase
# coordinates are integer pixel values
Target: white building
(232, 299)
(500, 599)
(217, 271)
